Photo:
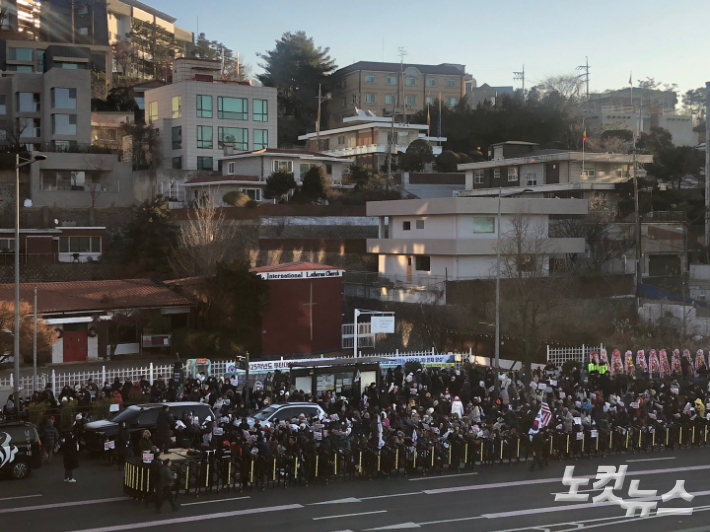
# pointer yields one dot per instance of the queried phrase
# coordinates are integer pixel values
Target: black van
(20, 448)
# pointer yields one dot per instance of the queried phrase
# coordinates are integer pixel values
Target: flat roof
(318, 363)
(476, 205)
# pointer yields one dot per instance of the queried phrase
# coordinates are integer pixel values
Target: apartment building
(365, 138)
(386, 87)
(523, 166)
(199, 115)
(433, 240)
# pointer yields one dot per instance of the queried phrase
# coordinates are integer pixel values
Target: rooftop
(377, 66)
(221, 179)
(293, 267)
(285, 153)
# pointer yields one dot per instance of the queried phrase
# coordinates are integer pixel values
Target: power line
(585, 73)
(520, 76)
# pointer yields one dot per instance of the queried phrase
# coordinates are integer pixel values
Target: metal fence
(560, 355)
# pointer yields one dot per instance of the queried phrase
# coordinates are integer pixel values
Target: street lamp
(19, 163)
(496, 380)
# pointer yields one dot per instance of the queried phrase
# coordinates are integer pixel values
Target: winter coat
(164, 424)
(49, 435)
(457, 408)
(70, 451)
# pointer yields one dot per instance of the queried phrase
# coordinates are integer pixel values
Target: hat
(78, 417)
(457, 398)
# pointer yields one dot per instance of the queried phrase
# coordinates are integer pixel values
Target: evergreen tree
(152, 235)
(315, 184)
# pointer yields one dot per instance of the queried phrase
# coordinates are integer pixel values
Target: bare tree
(14, 129)
(203, 242)
(96, 177)
(568, 86)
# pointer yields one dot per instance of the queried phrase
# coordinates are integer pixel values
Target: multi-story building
(486, 93)
(433, 240)
(365, 138)
(198, 115)
(549, 173)
(384, 88)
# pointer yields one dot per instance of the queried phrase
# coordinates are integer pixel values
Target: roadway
(493, 499)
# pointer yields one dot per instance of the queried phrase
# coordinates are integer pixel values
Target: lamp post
(19, 163)
(496, 381)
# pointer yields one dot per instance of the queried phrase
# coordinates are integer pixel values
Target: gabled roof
(293, 267)
(377, 66)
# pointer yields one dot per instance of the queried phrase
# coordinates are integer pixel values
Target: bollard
(396, 461)
(251, 473)
(207, 473)
(142, 471)
(414, 464)
(693, 440)
(551, 440)
(335, 464)
(316, 475)
(433, 450)
(611, 432)
(518, 451)
(465, 455)
(680, 438)
(667, 432)
(359, 463)
(502, 443)
(627, 440)
(640, 433)
(567, 451)
(229, 474)
(449, 454)
(481, 452)
(273, 474)
(187, 478)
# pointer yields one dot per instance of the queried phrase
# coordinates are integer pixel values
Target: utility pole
(585, 73)
(402, 53)
(34, 345)
(520, 76)
(637, 219)
(707, 164)
(320, 99)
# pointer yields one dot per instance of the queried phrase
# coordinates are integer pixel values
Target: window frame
(407, 225)
(176, 113)
(177, 159)
(70, 98)
(430, 82)
(512, 177)
(413, 98)
(201, 110)
(370, 97)
(450, 83)
(223, 115)
(263, 114)
(370, 79)
(419, 224)
(409, 79)
(176, 143)
(265, 139)
(203, 143)
(201, 162)
(70, 118)
(496, 173)
(422, 263)
(390, 80)
(489, 220)
(277, 163)
(153, 113)
(242, 145)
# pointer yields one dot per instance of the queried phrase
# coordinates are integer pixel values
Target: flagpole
(439, 115)
(631, 83)
(584, 142)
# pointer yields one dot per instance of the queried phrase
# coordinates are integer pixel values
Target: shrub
(36, 412)
(236, 198)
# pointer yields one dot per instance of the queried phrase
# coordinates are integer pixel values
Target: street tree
(45, 333)
(279, 185)
(315, 184)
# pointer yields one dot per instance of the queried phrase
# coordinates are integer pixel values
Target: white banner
(382, 324)
(303, 274)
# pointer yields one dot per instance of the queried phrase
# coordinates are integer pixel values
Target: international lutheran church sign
(302, 274)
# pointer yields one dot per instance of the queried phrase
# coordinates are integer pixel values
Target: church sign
(303, 274)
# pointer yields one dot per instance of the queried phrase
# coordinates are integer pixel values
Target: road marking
(348, 515)
(21, 497)
(400, 526)
(651, 459)
(336, 501)
(60, 505)
(447, 476)
(216, 500)
(393, 495)
(191, 519)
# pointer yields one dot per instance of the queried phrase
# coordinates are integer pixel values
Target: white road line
(451, 520)
(21, 497)
(348, 515)
(394, 495)
(190, 519)
(216, 500)
(578, 491)
(446, 476)
(60, 505)
(652, 459)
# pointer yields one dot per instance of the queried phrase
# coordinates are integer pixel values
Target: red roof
(87, 296)
(294, 267)
(218, 178)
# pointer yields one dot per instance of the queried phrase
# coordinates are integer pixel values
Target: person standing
(165, 487)
(165, 423)
(70, 450)
(49, 437)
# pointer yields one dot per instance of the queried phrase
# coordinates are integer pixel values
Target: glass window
(370, 80)
(3, 106)
(411, 100)
(40, 60)
(411, 82)
(28, 102)
(283, 166)
(29, 128)
(390, 80)
(513, 174)
(7, 244)
(21, 54)
(237, 136)
(484, 225)
(20, 68)
(452, 102)
(353, 98)
(62, 145)
(177, 137)
(204, 137)
(64, 124)
(389, 99)
(63, 180)
(232, 108)
(430, 100)
(423, 263)
(496, 173)
(152, 112)
(204, 106)
(64, 98)
(83, 31)
(261, 139)
(406, 226)
(450, 83)
(478, 177)
(369, 98)
(261, 110)
(177, 163)
(177, 106)
(419, 224)
(431, 82)
(230, 168)
(205, 163)
(73, 66)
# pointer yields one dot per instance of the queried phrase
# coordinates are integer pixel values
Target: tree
(216, 51)
(279, 185)
(418, 153)
(568, 86)
(125, 55)
(45, 333)
(296, 67)
(315, 184)
(151, 234)
(670, 163)
(694, 103)
(448, 161)
(156, 47)
(146, 149)
(204, 241)
(236, 198)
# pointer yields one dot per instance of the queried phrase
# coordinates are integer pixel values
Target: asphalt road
(494, 499)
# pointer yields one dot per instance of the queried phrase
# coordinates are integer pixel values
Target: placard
(674, 389)
(635, 404)
(563, 395)
(595, 433)
(148, 458)
(578, 421)
(114, 407)
(553, 382)
(109, 444)
(580, 435)
(218, 431)
(382, 324)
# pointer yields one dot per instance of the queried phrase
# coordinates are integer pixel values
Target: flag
(541, 420)
(584, 135)
(630, 82)
(439, 115)
(428, 120)
(357, 376)
(381, 441)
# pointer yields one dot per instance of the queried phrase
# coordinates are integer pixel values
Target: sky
(651, 38)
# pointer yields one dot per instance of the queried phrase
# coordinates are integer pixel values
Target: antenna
(402, 52)
(584, 73)
(520, 76)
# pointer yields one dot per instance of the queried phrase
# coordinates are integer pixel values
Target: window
(236, 136)
(152, 112)
(622, 171)
(411, 100)
(589, 173)
(79, 244)
(177, 106)
(389, 99)
(452, 101)
(496, 173)
(341, 140)
(512, 174)
(28, 102)
(232, 108)
(63, 180)
(303, 168)
(484, 225)
(431, 82)
(328, 168)
(230, 169)
(390, 80)
(411, 82)
(531, 179)
(21, 54)
(40, 60)
(177, 163)
(62, 145)
(204, 137)
(253, 193)
(422, 263)
(83, 9)
(64, 124)
(205, 163)
(450, 83)
(64, 98)
(406, 226)
(345, 101)
(282, 166)
(3, 106)
(261, 139)
(478, 177)
(7, 244)
(369, 98)
(73, 66)
(353, 99)
(20, 68)
(83, 31)
(177, 138)
(419, 224)
(370, 80)
(29, 128)
(204, 106)
(261, 110)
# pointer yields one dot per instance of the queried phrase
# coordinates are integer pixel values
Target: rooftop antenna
(585, 73)
(402, 52)
(520, 76)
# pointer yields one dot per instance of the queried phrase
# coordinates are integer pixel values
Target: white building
(425, 241)
(199, 114)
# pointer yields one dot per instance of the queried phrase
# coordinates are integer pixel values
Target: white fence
(365, 338)
(560, 355)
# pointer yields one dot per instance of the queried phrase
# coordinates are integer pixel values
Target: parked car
(20, 448)
(138, 418)
(286, 412)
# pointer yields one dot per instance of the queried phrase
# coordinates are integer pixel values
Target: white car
(286, 412)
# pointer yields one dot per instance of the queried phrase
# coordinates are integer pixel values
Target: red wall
(286, 323)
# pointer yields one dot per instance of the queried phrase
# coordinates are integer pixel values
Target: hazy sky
(653, 38)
